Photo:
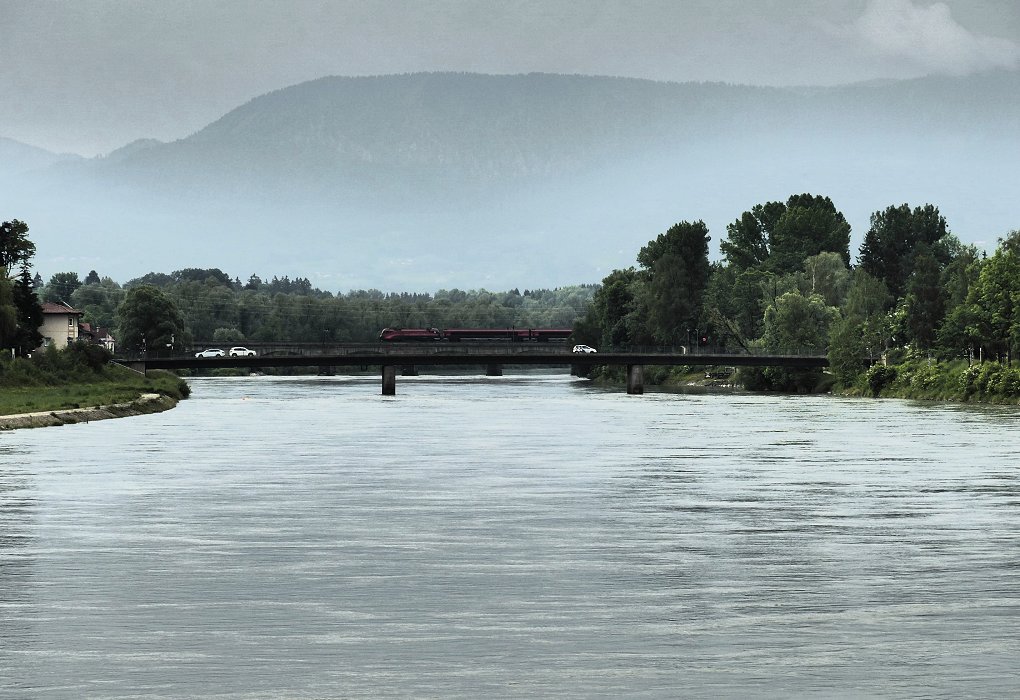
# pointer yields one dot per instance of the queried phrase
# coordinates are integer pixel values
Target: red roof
(49, 307)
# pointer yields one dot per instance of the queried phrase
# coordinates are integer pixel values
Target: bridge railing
(469, 348)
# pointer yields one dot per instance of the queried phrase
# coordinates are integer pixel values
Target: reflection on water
(513, 536)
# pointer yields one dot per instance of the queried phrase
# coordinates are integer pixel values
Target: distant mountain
(438, 180)
(17, 158)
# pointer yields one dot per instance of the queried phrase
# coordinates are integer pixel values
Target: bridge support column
(137, 366)
(389, 380)
(408, 371)
(493, 370)
(635, 379)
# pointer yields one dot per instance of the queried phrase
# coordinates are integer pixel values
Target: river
(516, 536)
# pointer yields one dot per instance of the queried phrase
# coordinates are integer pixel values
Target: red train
(455, 335)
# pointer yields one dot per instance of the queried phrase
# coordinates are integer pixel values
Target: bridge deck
(484, 356)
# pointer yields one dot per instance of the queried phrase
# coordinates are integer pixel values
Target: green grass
(112, 384)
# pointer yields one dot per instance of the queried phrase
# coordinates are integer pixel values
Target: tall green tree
(996, 302)
(15, 246)
(892, 242)
(677, 268)
(20, 313)
(616, 310)
(924, 303)
(735, 302)
(780, 236)
(810, 225)
(747, 239)
(149, 321)
(30, 312)
(8, 314)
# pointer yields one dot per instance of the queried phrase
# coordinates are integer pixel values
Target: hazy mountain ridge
(527, 125)
(17, 158)
(417, 179)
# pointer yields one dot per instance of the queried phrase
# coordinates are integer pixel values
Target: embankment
(144, 404)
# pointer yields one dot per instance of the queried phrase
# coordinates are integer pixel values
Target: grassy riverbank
(77, 378)
(987, 382)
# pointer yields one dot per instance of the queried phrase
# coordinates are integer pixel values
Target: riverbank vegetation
(79, 376)
(919, 315)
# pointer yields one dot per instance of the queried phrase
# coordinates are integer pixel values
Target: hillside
(430, 180)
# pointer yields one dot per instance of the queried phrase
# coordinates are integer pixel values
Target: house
(97, 336)
(60, 324)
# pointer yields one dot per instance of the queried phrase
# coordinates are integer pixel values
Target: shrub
(879, 377)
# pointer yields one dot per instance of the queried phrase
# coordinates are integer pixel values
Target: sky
(89, 76)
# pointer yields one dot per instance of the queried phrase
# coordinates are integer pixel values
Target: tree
(781, 236)
(677, 269)
(826, 274)
(617, 312)
(996, 300)
(15, 247)
(809, 226)
(227, 336)
(98, 302)
(20, 312)
(747, 242)
(92, 277)
(891, 244)
(60, 287)
(8, 314)
(848, 351)
(735, 301)
(924, 302)
(149, 320)
(868, 303)
(797, 324)
(30, 312)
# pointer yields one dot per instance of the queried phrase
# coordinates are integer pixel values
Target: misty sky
(88, 76)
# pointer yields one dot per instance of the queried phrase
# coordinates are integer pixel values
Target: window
(70, 321)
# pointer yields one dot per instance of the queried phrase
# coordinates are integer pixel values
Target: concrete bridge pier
(635, 379)
(389, 380)
(493, 370)
(137, 366)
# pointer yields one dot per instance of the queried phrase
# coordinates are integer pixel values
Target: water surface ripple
(520, 536)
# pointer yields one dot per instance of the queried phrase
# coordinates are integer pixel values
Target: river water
(516, 536)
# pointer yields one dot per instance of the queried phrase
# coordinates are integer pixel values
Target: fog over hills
(425, 181)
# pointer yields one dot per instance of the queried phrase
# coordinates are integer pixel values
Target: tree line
(162, 313)
(786, 285)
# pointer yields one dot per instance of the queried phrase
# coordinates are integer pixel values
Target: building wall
(59, 329)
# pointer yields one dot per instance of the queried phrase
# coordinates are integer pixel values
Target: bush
(87, 355)
(879, 377)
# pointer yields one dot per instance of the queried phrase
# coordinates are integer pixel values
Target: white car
(211, 352)
(241, 352)
(586, 349)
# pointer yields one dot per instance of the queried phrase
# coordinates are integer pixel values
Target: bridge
(390, 358)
